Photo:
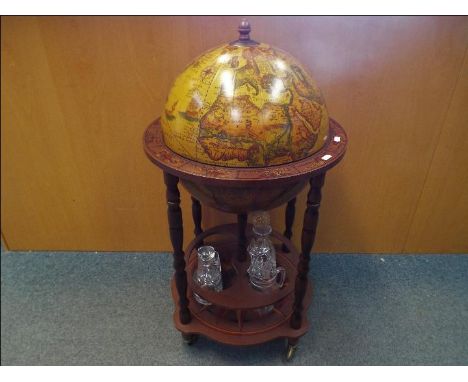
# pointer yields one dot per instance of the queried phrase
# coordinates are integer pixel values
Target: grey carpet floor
(115, 309)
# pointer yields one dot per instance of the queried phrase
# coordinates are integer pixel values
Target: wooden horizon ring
(333, 151)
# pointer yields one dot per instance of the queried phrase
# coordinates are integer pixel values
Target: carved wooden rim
(327, 157)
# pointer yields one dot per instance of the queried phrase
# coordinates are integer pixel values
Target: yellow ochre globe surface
(245, 106)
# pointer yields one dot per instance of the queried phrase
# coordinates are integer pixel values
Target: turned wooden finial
(244, 34)
(244, 30)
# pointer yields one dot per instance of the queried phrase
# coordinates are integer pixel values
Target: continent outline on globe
(245, 106)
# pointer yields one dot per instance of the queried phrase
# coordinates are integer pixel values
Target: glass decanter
(263, 272)
(208, 272)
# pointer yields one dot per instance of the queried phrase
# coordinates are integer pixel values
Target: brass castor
(290, 351)
(189, 339)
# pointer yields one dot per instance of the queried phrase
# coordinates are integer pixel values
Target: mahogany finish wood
(237, 294)
(242, 224)
(239, 177)
(216, 333)
(309, 230)
(235, 316)
(197, 216)
(289, 219)
(174, 214)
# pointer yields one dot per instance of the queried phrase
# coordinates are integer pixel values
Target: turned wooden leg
(289, 220)
(197, 217)
(241, 225)
(307, 240)
(174, 214)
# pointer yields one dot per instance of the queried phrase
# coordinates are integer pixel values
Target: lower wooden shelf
(240, 315)
(214, 329)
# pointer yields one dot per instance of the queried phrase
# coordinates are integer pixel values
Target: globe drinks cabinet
(244, 128)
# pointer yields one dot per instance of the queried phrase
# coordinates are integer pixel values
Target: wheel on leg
(189, 339)
(290, 350)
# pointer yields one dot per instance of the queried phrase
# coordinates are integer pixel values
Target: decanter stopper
(261, 223)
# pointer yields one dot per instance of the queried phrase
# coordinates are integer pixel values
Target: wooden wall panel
(440, 223)
(77, 93)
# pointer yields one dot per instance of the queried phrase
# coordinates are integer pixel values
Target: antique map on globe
(245, 106)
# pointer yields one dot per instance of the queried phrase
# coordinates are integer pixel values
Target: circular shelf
(239, 293)
(228, 331)
(239, 308)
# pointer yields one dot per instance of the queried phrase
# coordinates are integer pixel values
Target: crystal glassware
(263, 272)
(208, 273)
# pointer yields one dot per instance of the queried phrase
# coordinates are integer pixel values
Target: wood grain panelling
(78, 92)
(440, 222)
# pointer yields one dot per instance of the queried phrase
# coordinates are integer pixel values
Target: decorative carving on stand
(174, 214)
(307, 240)
(289, 220)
